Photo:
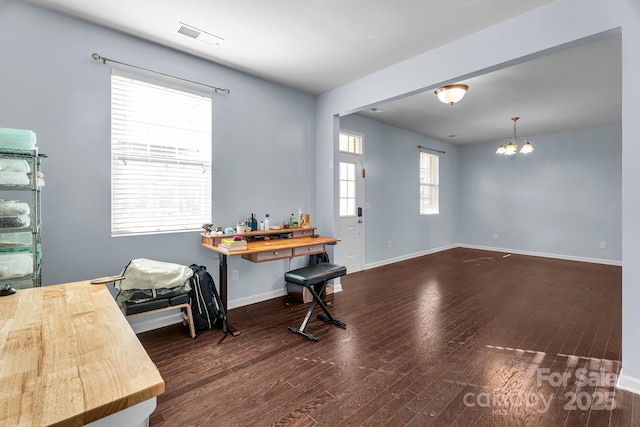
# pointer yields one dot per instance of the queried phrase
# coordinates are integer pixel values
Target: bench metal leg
(306, 334)
(328, 318)
(305, 322)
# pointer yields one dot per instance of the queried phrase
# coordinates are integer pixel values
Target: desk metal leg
(223, 292)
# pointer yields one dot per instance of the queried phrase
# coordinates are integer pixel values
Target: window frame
(347, 192)
(168, 185)
(347, 135)
(431, 181)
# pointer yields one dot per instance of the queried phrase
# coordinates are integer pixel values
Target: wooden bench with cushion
(131, 310)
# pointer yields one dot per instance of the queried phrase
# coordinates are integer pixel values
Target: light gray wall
(551, 27)
(392, 192)
(564, 199)
(263, 146)
(50, 84)
(627, 12)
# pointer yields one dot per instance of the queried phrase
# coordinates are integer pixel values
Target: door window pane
(347, 189)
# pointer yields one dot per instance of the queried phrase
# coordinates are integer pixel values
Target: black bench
(315, 278)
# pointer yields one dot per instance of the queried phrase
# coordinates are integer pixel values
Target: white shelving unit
(14, 248)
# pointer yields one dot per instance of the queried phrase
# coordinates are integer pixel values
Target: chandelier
(513, 142)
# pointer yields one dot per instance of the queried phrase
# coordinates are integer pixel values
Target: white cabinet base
(133, 416)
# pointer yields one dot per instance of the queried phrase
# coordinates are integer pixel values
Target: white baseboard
(544, 255)
(337, 286)
(148, 323)
(151, 322)
(408, 256)
(628, 383)
(252, 299)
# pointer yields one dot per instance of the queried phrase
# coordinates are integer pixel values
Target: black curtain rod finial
(431, 149)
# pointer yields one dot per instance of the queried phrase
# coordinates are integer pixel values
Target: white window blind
(160, 157)
(429, 186)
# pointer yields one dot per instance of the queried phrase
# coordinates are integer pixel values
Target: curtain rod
(104, 61)
(432, 149)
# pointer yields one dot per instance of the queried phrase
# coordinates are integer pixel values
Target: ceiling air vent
(196, 34)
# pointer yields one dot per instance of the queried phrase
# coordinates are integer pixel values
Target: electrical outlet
(603, 245)
(389, 244)
(495, 236)
(235, 275)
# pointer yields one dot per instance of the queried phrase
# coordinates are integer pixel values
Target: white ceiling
(575, 88)
(317, 45)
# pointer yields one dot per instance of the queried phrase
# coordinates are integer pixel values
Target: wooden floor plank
(458, 337)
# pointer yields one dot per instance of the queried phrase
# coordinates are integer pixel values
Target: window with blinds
(160, 157)
(429, 187)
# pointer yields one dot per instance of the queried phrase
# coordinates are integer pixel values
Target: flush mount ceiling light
(196, 34)
(450, 94)
(513, 142)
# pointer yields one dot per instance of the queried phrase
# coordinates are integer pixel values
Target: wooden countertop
(69, 357)
(275, 245)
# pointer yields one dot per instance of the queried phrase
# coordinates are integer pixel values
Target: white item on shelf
(19, 139)
(14, 178)
(21, 221)
(14, 165)
(40, 177)
(13, 208)
(15, 264)
(15, 240)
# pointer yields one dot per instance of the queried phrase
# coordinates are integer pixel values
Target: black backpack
(206, 305)
(318, 258)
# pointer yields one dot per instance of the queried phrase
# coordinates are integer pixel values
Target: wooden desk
(69, 357)
(300, 243)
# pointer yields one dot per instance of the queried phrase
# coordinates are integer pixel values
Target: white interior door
(351, 211)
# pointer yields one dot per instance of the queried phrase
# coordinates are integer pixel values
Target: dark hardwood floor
(458, 338)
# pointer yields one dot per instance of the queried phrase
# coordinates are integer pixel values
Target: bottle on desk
(292, 221)
(266, 221)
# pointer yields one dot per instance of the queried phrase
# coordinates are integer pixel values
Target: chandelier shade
(450, 94)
